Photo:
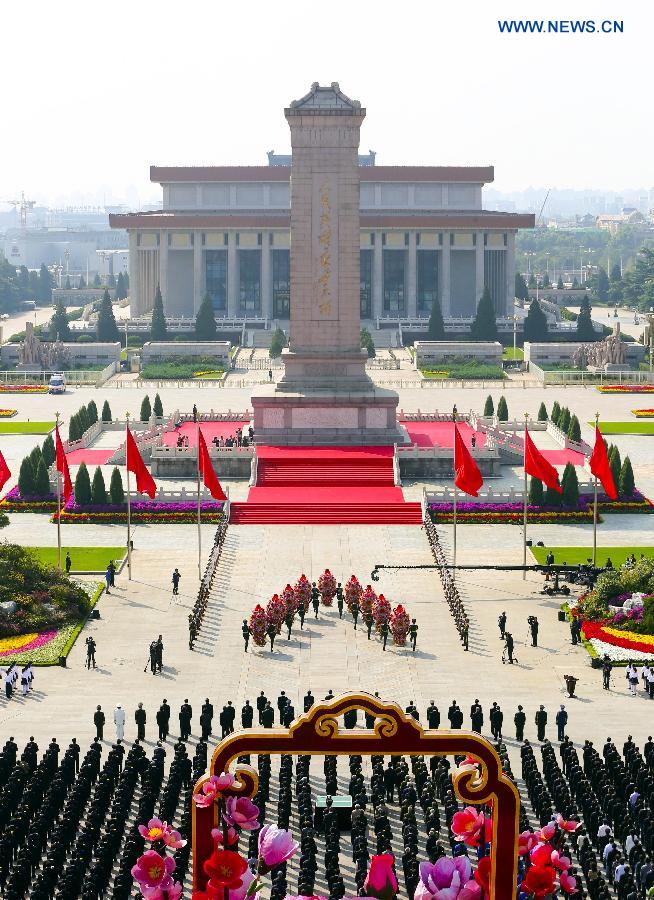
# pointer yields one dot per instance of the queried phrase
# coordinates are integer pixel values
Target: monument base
(327, 417)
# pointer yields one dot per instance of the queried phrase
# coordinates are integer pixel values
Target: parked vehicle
(57, 383)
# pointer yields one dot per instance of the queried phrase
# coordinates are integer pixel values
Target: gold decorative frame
(394, 733)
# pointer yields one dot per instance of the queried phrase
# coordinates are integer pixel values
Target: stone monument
(36, 354)
(325, 395)
(606, 356)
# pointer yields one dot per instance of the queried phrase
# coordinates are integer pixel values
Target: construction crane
(23, 206)
(540, 214)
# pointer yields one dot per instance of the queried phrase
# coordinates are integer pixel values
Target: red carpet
(325, 485)
(209, 431)
(441, 434)
(89, 456)
(561, 457)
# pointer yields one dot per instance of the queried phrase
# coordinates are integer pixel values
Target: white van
(57, 383)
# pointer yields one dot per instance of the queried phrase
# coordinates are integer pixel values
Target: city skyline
(179, 99)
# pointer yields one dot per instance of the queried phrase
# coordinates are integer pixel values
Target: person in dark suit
(262, 702)
(98, 721)
(476, 716)
(185, 716)
(519, 719)
(541, 722)
(206, 718)
(140, 719)
(309, 700)
(268, 716)
(433, 715)
(247, 714)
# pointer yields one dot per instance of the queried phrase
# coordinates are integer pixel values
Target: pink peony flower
(381, 881)
(470, 891)
(468, 826)
(568, 882)
(541, 855)
(242, 813)
(232, 836)
(547, 832)
(570, 826)
(560, 862)
(213, 786)
(167, 890)
(526, 842)
(156, 830)
(275, 846)
(151, 869)
(443, 880)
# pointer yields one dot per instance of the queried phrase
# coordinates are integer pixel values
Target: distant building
(77, 249)
(613, 223)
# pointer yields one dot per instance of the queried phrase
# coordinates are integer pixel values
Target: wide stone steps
(326, 514)
(364, 472)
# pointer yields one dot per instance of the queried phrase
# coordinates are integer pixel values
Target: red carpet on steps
(325, 485)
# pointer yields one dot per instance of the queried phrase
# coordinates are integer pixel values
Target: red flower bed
(606, 634)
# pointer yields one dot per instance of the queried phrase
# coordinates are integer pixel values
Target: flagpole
(595, 506)
(129, 507)
(524, 524)
(455, 502)
(199, 513)
(58, 505)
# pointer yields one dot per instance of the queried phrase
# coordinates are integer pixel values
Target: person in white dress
(119, 720)
(25, 681)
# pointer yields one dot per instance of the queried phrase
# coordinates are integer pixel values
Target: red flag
(207, 471)
(537, 466)
(599, 465)
(62, 465)
(467, 476)
(144, 481)
(5, 474)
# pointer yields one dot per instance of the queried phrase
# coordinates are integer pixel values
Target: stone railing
(416, 452)
(161, 451)
(431, 416)
(567, 443)
(445, 494)
(212, 416)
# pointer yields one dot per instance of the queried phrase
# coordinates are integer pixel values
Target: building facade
(225, 231)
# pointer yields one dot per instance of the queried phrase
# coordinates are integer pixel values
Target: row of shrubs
(147, 408)
(33, 479)
(95, 492)
(502, 408)
(541, 496)
(85, 417)
(566, 421)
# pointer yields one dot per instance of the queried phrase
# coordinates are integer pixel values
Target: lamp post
(515, 328)
(650, 320)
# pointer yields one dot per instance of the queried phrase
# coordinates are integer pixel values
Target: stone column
(198, 271)
(266, 275)
(232, 275)
(377, 276)
(135, 299)
(412, 278)
(446, 296)
(479, 267)
(510, 273)
(163, 268)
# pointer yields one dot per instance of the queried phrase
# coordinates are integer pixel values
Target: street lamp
(650, 319)
(515, 328)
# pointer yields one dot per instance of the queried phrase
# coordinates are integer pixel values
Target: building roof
(321, 100)
(443, 219)
(175, 174)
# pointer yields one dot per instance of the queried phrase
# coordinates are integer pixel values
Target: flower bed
(23, 388)
(44, 648)
(13, 502)
(626, 388)
(143, 511)
(514, 512)
(7, 413)
(643, 413)
(618, 644)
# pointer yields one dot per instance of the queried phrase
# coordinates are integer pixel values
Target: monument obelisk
(325, 395)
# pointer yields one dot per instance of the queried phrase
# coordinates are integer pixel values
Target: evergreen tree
(48, 450)
(74, 430)
(535, 324)
(24, 281)
(615, 462)
(82, 486)
(521, 289)
(41, 480)
(121, 287)
(616, 272)
(116, 492)
(111, 280)
(489, 406)
(92, 411)
(484, 327)
(602, 285)
(575, 284)
(146, 409)
(627, 484)
(574, 429)
(542, 413)
(106, 412)
(44, 289)
(552, 497)
(559, 284)
(98, 489)
(502, 409)
(546, 281)
(556, 412)
(367, 343)
(59, 326)
(107, 330)
(35, 458)
(532, 282)
(81, 283)
(277, 343)
(96, 280)
(158, 328)
(157, 406)
(570, 486)
(585, 330)
(436, 328)
(205, 321)
(26, 478)
(83, 417)
(536, 495)
(565, 420)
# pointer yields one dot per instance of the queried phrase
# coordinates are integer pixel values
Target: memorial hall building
(225, 231)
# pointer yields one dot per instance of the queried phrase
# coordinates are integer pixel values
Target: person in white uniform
(119, 720)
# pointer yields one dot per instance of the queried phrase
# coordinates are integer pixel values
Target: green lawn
(575, 555)
(26, 427)
(84, 559)
(637, 427)
(507, 353)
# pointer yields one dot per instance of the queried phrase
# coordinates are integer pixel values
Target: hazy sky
(95, 93)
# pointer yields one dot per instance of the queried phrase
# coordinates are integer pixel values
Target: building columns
(479, 261)
(266, 275)
(163, 268)
(412, 281)
(198, 272)
(377, 276)
(446, 283)
(135, 300)
(510, 273)
(232, 275)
